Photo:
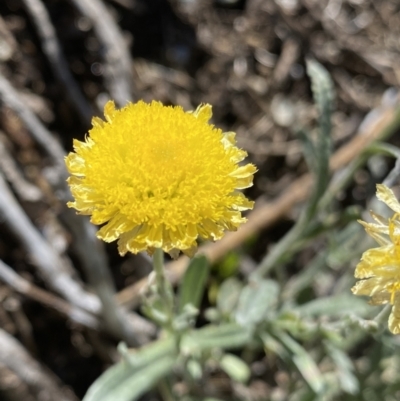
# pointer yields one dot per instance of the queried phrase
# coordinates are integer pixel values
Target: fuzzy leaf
(194, 281)
(135, 374)
(255, 300)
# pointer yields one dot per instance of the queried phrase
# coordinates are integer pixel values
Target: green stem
(164, 288)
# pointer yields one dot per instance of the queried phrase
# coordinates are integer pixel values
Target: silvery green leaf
(309, 150)
(235, 368)
(195, 369)
(335, 305)
(322, 87)
(135, 374)
(345, 369)
(194, 282)
(228, 295)
(304, 363)
(256, 299)
(225, 336)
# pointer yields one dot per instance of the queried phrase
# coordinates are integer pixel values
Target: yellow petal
(394, 318)
(386, 195)
(244, 171)
(75, 164)
(203, 112)
(109, 111)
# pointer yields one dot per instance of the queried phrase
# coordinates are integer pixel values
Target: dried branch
(12, 388)
(22, 286)
(58, 63)
(52, 268)
(118, 64)
(12, 99)
(23, 328)
(25, 190)
(9, 44)
(14, 356)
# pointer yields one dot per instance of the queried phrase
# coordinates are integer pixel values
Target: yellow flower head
(379, 269)
(159, 177)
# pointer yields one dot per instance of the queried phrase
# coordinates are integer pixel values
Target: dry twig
(12, 388)
(118, 63)
(43, 384)
(52, 49)
(26, 190)
(43, 137)
(22, 286)
(52, 268)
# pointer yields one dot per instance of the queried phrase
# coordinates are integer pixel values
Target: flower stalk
(164, 288)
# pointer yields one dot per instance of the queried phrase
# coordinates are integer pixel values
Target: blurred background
(61, 60)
